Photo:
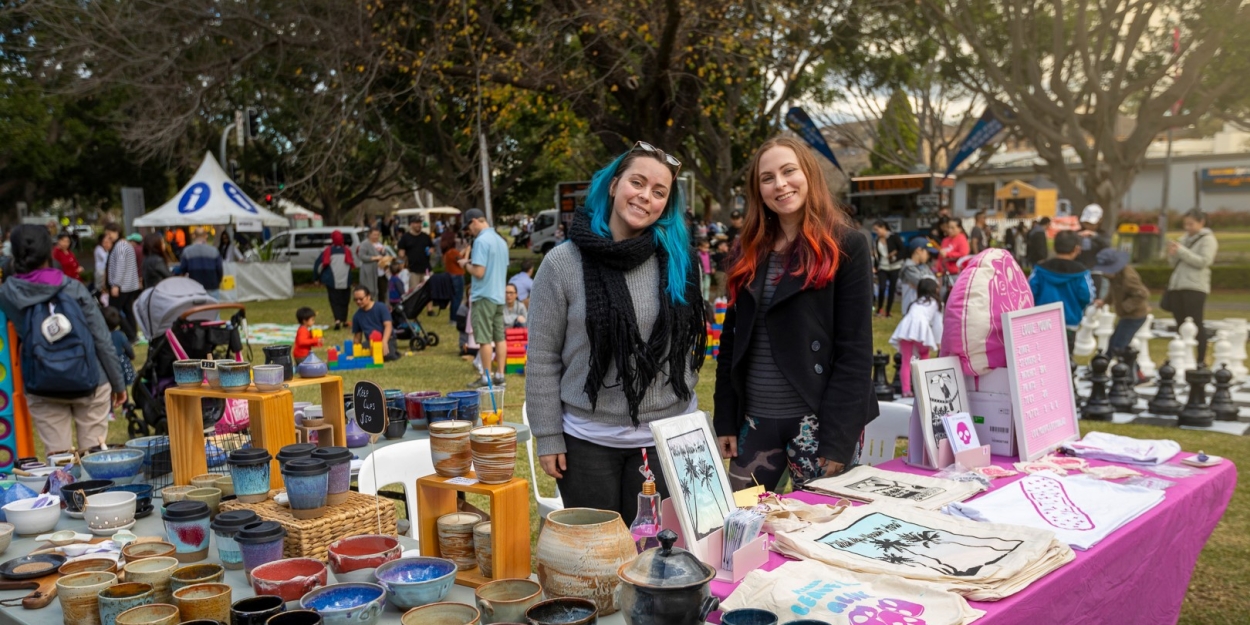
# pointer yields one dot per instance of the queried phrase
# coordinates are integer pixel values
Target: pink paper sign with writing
(1044, 403)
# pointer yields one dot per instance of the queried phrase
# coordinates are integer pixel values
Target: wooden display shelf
(272, 417)
(510, 524)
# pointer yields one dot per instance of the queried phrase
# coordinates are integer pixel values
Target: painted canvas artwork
(696, 463)
(895, 541)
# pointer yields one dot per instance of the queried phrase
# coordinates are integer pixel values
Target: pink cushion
(990, 284)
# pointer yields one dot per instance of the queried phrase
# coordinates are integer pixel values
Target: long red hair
(815, 252)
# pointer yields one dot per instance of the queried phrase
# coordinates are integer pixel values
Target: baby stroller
(181, 321)
(406, 319)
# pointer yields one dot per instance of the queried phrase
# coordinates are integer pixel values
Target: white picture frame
(695, 475)
(939, 389)
(1043, 399)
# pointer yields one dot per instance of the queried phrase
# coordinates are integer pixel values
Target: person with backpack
(334, 269)
(69, 365)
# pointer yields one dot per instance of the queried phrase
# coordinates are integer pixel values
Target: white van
(544, 236)
(427, 216)
(302, 245)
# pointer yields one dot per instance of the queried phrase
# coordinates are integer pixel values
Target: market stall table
(1139, 574)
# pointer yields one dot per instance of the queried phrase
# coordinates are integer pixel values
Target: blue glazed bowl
(119, 465)
(235, 376)
(150, 445)
(413, 582)
(143, 494)
(188, 373)
(468, 405)
(355, 603)
(440, 409)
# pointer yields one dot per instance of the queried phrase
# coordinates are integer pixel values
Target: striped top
(769, 393)
(123, 267)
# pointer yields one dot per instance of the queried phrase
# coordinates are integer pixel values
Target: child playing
(398, 284)
(1126, 293)
(1061, 278)
(915, 269)
(920, 330)
(304, 339)
(704, 256)
(125, 351)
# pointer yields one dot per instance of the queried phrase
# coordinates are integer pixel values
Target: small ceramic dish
(61, 538)
(30, 567)
(109, 531)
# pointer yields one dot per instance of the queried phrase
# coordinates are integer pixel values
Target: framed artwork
(940, 390)
(695, 475)
(1043, 400)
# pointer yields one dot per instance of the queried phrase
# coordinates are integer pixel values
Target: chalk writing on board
(370, 405)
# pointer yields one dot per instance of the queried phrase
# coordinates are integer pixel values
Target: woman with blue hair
(616, 333)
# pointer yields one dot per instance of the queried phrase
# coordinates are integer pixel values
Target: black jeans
(606, 478)
(338, 302)
(887, 284)
(1190, 304)
(125, 304)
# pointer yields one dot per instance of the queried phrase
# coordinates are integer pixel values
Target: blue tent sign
(195, 198)
(237, 197)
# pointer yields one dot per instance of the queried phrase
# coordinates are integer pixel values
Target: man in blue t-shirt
(487, 263)
(373, 317)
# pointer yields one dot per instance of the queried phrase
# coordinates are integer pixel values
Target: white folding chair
(545, 504)
(401, 464)
(881, 435)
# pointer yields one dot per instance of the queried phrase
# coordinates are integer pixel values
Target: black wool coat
(821, 340)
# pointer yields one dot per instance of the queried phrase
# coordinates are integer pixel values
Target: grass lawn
(1217, 590)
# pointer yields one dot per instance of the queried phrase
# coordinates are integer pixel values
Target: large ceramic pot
(579, 553)
(280, 355)
(666, 586)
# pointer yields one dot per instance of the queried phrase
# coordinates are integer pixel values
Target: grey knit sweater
(559, 352)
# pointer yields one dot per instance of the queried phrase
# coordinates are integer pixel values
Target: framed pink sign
(1044, 402)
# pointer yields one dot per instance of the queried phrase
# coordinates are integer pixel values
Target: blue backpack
(66, 369)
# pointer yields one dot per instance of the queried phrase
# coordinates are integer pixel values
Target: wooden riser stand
(272, 417)
(510, 524)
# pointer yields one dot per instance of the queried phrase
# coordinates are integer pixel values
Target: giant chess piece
(1196, 413)
(1085, 343)
(1097, 407)
(897, 385)
(1141, 342)
(1164, 402)
(1122, 397)
(1222, 404)
(881, 383)
(1076, 397)
(1106, 327)
(1188, 331)
(1222, 351)
(1238, 334)
(1128, 356)
(1179, 355)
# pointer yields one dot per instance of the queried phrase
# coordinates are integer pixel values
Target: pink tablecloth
(1139, 574)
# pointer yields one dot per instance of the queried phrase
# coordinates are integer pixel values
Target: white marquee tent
(210, 197)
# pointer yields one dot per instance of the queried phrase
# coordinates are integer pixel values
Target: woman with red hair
(794, 379)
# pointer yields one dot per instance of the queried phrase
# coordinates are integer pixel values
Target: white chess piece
(1179, 355)
(1238, 333)
(1188, 332)
(1141, 342)
(1223, 350)
(1085, 343)
(1106, 327)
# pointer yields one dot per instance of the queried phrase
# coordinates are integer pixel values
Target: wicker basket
(360, 514)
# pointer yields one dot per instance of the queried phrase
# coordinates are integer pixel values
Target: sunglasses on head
(666, 158)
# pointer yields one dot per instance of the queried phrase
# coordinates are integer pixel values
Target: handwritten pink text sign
(1044, 403)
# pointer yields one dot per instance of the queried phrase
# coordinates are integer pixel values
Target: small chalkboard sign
(370, 405)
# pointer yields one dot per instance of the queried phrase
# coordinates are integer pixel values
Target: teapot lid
(666, 566)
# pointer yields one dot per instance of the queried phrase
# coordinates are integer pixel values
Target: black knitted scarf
(678, 337)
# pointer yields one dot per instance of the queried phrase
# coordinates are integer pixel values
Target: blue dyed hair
(669, 231)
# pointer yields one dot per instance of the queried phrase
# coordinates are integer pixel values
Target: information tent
(1041, 380)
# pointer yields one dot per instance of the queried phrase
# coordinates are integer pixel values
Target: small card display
(370, 405)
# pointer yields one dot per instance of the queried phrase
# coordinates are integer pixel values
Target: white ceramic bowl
(27, 521)
(110, 510)
(6, 535)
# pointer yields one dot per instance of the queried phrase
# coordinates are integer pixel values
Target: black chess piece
(881, 383)
(1076, 397)
(1222, 404)
(897, 385)
(1196, 413)
(1128, 356)
(1097, 407)
(1122, 397)
(1164, 402)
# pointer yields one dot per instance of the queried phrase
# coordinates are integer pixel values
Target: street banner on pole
(798, 121)
(984, 131)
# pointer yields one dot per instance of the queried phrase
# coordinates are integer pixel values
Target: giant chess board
(1146, 391)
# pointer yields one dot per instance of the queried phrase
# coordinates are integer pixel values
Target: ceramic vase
(307, 482)
(356, 437)
(494, 453)
(339, 459)
(249, 470)
(186, 524)
(455, 538)
(449, 447)
(225, 526)
(280, 355)
(579, 552)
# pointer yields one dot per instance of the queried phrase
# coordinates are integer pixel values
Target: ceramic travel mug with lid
(307, 482)
(294, 452)
(339, 459)
(186, 524)
(250, 470)
(225, 526)
(260, 543)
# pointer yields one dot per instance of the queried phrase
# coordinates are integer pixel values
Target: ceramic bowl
(347, 604)
(31, 521)
(152, 614)
(188, 373)
(441, 614)
(37, 478)
(413, 582)
(290, 579)
(143, 497)
(175, 493)
(354, 559)
(88, 488)
(214, 375)
(6, 535)
(235, 376)
(205, 480)
(140, 551)
(111, 510)
(108, 565)
(150, 445)
(196, 574)
(119, 465)
(269, 377)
